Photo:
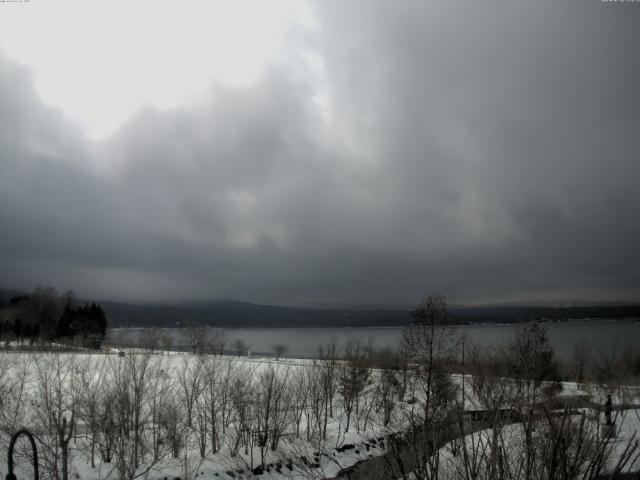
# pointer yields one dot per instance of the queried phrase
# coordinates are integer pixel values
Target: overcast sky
(340, 152)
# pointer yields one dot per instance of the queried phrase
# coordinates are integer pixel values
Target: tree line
(45, 317)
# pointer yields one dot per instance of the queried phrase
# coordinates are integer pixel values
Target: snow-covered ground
(296, 456)
(511, 441)
(65, 383)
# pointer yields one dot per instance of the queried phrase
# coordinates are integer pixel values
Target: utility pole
(464, 374)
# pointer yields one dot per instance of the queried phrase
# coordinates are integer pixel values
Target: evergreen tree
(49, 316)
(17, 328)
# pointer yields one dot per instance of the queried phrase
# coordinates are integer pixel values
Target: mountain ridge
(230, 313)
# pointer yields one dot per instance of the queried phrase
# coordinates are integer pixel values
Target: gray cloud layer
(485, 150)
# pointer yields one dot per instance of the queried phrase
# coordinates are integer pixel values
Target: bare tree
(91, 379)
(279, 350)
(243, 401)
(161, 388)
(218, 340)
(196, 336)
(14, 385)
(150, 338)
(328, 365)
(190, 382)
(216, 397)
(129, 377)
(532, 359)
(390, 382)
(174, 429)
(300, 384)
(493, 393)
(190, 462)
(56, 410)
(610, 371)
(431, 344)
(580, 359)
(566, 447)
(166, 342)
(353, 378)
(240, 347)
(201, 423)
(317, 401)
(271, 407)
(108, 421)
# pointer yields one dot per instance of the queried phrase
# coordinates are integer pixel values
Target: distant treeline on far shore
(247, 315)
(238, 314)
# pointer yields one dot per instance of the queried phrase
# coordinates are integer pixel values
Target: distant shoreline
(572, 321)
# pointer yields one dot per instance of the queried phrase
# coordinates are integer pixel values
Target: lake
(603, 335)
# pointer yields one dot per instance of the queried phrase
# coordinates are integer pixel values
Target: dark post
(607, 410)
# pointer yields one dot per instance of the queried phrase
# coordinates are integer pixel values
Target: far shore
(569, 321)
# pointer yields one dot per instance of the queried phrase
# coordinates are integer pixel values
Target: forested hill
(243, 314)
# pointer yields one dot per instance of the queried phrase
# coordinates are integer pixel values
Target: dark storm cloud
(488, 151)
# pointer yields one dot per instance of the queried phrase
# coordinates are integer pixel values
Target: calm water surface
(603, 335)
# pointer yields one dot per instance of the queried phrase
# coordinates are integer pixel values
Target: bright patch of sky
(102, 61)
